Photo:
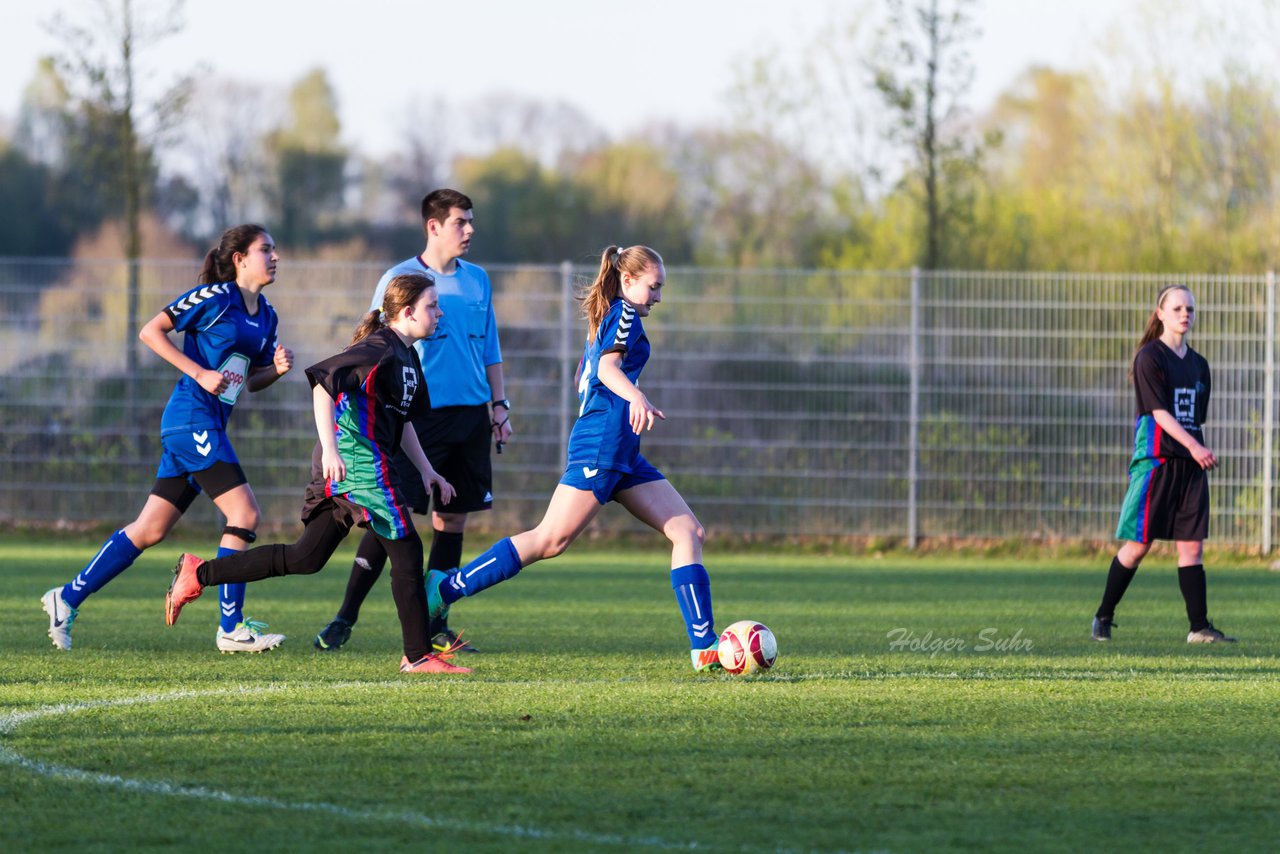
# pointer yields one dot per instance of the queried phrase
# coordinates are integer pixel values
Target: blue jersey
(602, 436)
(220, 336)
(465, 342)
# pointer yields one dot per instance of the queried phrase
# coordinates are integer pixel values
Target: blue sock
(116, 555)
(499, 563)
(230, 598)
(693, 593)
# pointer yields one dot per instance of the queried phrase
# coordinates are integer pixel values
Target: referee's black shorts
(456, 440)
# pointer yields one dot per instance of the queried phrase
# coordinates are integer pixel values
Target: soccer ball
(747, 647)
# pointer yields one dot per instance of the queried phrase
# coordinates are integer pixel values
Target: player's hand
(214, 382)
(1204, 457)
(283, 360)
(644, 415)
(332, 466)
(502, 430)
(446, 488)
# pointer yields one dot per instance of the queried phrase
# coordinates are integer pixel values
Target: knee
(686, 529)
(1190, 554)
(555, 546)
(552, 544)
(1131, 553)
(247, 518)
(144, 535)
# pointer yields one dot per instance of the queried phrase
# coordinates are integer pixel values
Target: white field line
(10, 722)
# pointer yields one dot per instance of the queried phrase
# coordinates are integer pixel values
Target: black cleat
(333, 636)
(1102, 628)
(1208, 635)
(449, 641)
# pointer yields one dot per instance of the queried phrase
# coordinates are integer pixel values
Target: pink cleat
(184, 588)
(431, 663)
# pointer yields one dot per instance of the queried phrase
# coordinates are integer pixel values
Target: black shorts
(456, 440)
(1169, 501)
(219, 478)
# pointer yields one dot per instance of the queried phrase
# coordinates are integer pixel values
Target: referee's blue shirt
(465, 342)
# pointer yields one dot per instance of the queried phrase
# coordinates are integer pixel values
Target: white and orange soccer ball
(747, 647)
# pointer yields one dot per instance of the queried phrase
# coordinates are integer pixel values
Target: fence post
(566, 358)
(1268, 410)
(913, 416)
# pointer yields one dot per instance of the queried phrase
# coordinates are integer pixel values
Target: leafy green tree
(922, 72)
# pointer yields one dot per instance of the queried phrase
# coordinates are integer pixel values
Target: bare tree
(103, 73)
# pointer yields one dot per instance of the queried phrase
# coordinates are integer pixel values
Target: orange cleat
(184, 588)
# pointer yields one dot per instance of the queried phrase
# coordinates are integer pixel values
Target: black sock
(446, 550)
(1195, 593)
(446, 554)
(371, 557)
(1118, 578)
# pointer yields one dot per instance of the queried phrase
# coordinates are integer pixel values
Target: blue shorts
(185, 453)
(607, 483)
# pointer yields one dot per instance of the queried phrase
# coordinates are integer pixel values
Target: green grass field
(994, 722)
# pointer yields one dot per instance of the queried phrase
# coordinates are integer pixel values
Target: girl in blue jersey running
(230, 345)
(604, 462)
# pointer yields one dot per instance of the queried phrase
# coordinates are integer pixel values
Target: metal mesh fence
(805, 403)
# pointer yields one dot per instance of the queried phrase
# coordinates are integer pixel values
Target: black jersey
(1178, 386)
(377, 385)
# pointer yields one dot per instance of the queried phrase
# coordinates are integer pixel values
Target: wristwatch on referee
(504, 403)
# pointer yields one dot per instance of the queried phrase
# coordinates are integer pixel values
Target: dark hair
(401, 291)
(607, 287)
(1155, 326)
(219, 264)
(437, 204)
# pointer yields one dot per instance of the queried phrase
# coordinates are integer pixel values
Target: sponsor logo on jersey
(410, 377)
(236, 370)
(1184, 405)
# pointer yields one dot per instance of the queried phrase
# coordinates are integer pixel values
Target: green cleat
(436, 608)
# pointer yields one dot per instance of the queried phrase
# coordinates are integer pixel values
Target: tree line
(865, 154)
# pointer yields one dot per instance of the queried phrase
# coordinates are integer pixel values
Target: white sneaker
(61, 616)
(248, 636)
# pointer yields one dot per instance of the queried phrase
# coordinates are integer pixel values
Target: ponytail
(367, 325)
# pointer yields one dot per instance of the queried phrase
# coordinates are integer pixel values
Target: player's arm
(281, 364)
(412, 448)
(155, 334)
(330, 460)
(1202, 455)
(643, 413)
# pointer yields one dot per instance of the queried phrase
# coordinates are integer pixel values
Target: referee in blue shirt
(462, 363)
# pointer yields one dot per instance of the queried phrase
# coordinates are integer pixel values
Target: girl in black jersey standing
(1168, 495)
